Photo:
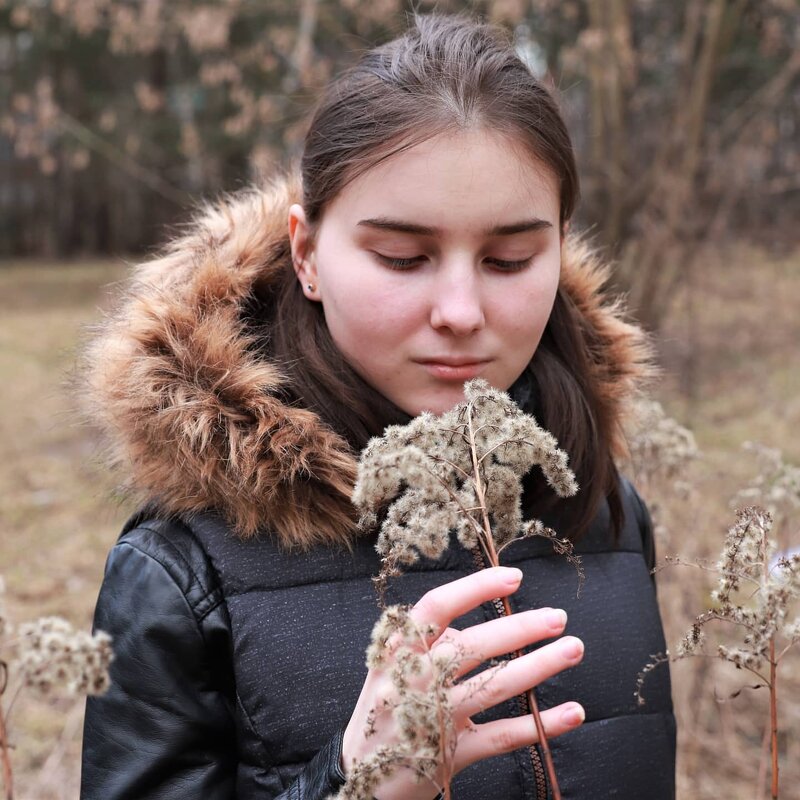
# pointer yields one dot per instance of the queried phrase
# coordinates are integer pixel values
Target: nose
(456, 303)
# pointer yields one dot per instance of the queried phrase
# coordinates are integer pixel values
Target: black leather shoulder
(166, 725)
(171, 543)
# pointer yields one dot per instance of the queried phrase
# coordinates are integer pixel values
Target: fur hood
(189, 408)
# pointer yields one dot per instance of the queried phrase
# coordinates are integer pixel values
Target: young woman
(422, 241)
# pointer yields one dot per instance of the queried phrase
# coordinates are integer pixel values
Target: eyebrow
(388, 224)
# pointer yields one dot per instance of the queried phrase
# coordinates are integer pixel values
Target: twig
(488, 542)
(5, 757)
(505, 444)
(773, 690)
(773, 715)
(678, 561)
(449, 463)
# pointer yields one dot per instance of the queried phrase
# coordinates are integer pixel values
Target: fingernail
(573, 648)
(574, 715)
(512, 575)
(556, 618)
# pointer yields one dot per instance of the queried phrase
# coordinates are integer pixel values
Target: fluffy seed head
(52, 655)
(420, 482)
(659, 446)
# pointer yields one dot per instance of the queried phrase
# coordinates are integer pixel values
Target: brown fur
(620, 352)
(188, 409)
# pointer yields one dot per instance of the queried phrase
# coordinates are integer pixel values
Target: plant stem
(773, 713)
(494, 560)
(537, 718)
(5, 757)
(443, 737)
(773, 686)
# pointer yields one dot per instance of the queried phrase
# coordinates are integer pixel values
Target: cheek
(363, 309)
(532, 304)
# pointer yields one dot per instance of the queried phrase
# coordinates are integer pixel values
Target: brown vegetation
(682, 113)
(732, 374)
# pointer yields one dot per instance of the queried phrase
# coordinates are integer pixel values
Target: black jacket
(238, 665)
(240, 634)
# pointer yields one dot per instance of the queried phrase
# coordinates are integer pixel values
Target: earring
(311, 287)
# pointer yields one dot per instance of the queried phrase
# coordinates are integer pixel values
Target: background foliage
(118, 116)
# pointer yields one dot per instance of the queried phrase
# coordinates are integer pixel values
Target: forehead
(463, 182)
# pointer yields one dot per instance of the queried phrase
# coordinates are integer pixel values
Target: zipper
(522, 701)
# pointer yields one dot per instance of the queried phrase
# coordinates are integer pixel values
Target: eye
(398, 263)
(406, 263)
(511, 266)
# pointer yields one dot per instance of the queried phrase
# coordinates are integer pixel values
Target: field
(731, 373)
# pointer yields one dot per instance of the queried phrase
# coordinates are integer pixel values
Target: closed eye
(512, 266)
(406, 263)
(399, 263)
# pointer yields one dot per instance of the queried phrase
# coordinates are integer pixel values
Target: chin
(435, 402)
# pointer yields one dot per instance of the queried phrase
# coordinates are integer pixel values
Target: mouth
(453, 370)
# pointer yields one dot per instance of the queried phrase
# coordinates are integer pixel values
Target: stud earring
(311, 287)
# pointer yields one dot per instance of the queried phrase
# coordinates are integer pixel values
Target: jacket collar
(191, 413)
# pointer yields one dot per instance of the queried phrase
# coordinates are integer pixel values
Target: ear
(303, 257)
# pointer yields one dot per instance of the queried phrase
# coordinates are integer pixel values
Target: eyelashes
(397, 263)
(406, 263)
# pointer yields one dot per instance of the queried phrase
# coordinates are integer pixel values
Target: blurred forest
(117, 116)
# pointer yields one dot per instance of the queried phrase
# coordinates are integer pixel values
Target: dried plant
(660, 447)
(776, 487)
(424, 716)
(757, 591)
(661, 450)
(461, 472)
(46, 655)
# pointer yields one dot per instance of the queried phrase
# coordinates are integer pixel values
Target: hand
(435, 611)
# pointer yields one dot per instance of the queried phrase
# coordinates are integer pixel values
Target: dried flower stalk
(424, 719)
(660, 452)
(659, 446)
(48, 656)
(462, 472)
(757, 589)
(775, 487)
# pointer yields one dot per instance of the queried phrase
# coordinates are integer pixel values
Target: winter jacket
(240, 600)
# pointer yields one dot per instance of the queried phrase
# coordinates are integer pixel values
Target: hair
(446, 73)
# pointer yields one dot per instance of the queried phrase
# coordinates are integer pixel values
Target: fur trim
(190, 412)
(620, 351)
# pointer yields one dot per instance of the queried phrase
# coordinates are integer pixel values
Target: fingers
(505, 735)
(440, 606)
(516, 676)
(479, 643)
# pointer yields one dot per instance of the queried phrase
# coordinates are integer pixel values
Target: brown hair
(446, 73)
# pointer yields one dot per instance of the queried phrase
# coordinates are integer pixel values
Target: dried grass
(737, 380)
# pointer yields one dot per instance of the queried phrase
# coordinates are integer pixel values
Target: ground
(731, 373)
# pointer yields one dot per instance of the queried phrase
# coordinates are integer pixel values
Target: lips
(454, 361)
(460, 372)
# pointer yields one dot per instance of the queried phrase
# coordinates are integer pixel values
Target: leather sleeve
(322, 776)
(166, 727)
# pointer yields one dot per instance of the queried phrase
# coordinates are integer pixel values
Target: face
(438, 265)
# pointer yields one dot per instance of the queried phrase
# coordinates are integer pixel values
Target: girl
(422, 241)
